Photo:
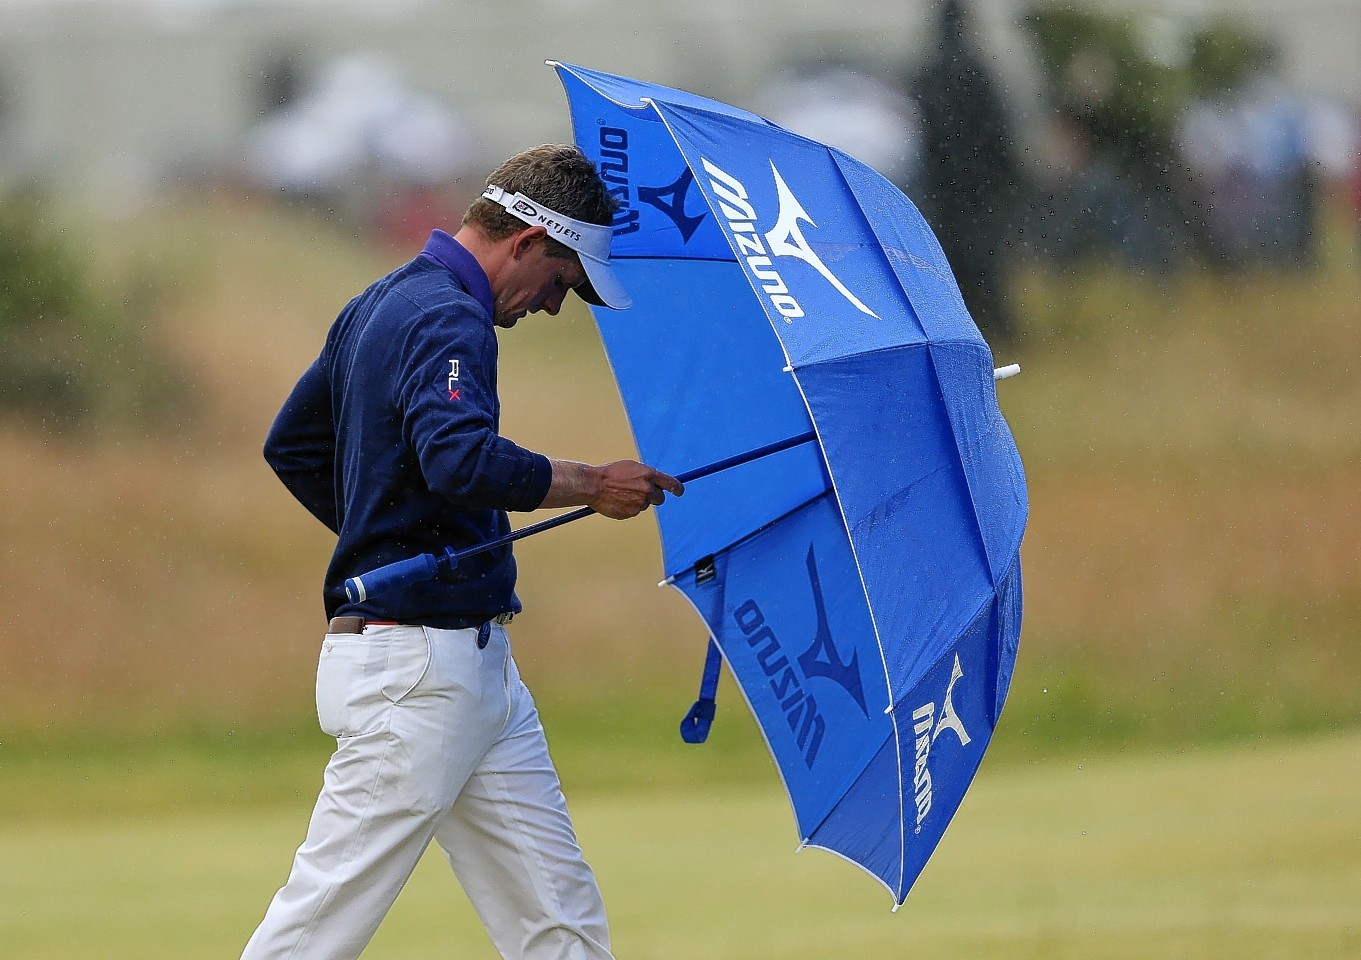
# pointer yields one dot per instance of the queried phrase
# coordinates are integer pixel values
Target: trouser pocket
(360, 677)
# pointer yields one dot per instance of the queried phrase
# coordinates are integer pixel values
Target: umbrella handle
(403, 573)
(427, 566)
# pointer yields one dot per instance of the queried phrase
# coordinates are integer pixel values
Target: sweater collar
(454, 257)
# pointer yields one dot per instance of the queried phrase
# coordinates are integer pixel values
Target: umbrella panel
(702, 379)
(786, 609)
(906, 500)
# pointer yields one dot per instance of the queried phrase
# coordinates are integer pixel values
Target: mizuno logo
(822, 659)
(800, 709)
(669, 199)
(614, 170)
(785, 239)
(926, 728)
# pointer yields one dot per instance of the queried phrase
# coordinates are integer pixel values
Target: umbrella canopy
(863, 584)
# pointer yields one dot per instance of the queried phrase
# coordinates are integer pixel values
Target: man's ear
(525, 240)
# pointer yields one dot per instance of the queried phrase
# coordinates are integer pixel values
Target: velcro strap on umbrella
(695, 727)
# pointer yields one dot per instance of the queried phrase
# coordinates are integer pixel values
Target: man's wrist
(574, 484)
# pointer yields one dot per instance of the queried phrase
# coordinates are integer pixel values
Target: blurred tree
(70, 354)
(279, 81)
(969, 181)
(6, 97)
(1134, 197)
(1223, 55)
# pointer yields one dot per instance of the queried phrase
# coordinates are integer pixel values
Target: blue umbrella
(853, 546)
(864, 586)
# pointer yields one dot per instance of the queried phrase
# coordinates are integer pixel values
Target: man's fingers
(667, 482)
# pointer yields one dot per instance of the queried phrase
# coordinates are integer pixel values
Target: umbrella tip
(1003, 373)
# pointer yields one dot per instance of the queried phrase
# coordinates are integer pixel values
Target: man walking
(391, 439)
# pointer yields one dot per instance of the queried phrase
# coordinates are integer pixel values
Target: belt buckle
(503, 618)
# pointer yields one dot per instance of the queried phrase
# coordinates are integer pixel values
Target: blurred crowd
(1211, 159)
(1195, 154)
(356, 139)
(1193, 151)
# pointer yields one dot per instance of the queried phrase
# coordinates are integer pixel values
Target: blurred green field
(1216, 854)
(1176, 770)
(1193, 445)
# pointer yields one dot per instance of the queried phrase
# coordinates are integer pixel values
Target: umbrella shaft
(452, 560)
(741, 458)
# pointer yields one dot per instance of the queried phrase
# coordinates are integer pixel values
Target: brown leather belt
(357, 624)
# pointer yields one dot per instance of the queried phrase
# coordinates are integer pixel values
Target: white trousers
(435, 740)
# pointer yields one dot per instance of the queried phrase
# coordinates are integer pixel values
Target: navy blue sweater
(391, 439)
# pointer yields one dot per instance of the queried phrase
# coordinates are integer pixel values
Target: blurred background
(1153, 205)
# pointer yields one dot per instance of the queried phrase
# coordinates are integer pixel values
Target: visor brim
(602, 287)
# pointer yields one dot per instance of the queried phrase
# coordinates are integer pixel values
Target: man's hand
(619, 490)
(628, 487)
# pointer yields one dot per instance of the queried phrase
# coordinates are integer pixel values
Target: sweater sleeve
(301, 446)
(447, 395)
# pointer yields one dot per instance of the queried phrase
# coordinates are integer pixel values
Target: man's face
(533, 281)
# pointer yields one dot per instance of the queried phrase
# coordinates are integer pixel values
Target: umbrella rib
(569, 68)
(717, 214)
(878, 640)
(882, 251)
(976, 527)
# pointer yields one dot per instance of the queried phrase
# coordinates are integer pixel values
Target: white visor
(591, 241)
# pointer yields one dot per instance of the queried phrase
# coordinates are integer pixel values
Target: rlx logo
(785, 239)
(821, 659)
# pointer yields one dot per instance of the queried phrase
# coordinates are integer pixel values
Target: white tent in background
(359, 120)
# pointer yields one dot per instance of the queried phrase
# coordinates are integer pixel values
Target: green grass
(1213, 854)
(1175, 774)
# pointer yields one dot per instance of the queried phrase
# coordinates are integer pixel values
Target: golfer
(391, 439)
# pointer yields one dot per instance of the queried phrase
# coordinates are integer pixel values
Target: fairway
(1248, 851)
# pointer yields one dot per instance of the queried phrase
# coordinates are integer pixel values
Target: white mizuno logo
(949, 720)
(785, 239)
(926, 728)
